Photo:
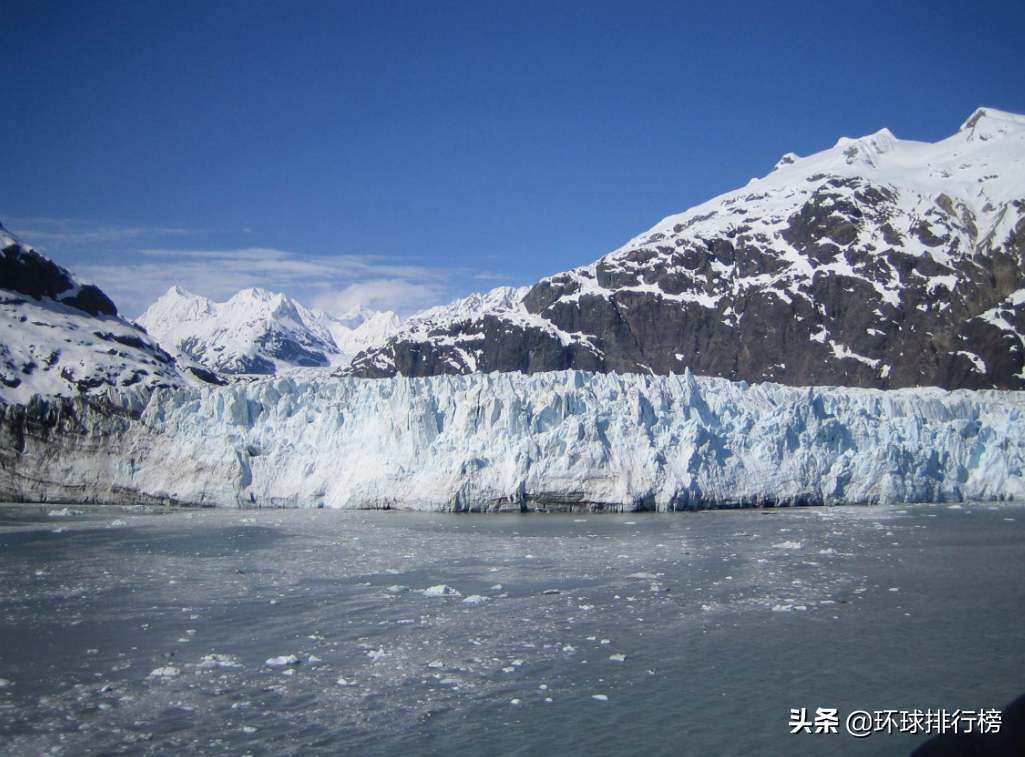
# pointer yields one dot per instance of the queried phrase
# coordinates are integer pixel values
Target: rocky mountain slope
(259, 332)
(61, 336)
(877, 263)
(434, 323)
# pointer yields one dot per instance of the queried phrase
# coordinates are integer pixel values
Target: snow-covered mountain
(259, 332)
(498, 299)
(63, 336)
(507, 441)
(441, 325)
(360, 328)
(879, 263)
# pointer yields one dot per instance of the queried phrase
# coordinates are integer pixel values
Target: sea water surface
(148, 632)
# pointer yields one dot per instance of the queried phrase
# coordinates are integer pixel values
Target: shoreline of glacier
(482, 442)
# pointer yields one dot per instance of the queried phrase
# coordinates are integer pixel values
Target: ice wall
(483, 442)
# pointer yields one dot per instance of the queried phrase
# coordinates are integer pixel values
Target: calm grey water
(875, 608)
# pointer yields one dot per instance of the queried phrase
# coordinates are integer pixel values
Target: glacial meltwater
(286, 632)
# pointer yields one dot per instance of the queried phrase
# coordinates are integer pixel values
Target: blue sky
(400, 154)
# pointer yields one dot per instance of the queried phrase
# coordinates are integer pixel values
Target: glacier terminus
(550, 441)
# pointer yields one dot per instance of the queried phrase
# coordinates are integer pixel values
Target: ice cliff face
(62, 336)
(480, 442)
(877, 263)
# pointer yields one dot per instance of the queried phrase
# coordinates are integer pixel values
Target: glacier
(507, 441)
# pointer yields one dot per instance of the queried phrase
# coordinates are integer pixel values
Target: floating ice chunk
(782, 608)
(375, 654)
(248, 729)
(66, 512)
(551, 591)
(509, 670)
(605, 641)
(4, 683)
(344, 682)
(618, 657)
(435, 664)
(514, 701)
(894, 589)
(827, 551)
(217, 661)
(280, 662)
(600, 697)
(788, 545)
(119, 522)
(165, 672)
(569, 648)
(476, 599)
(441, 590)
(314, 659)
(397, 589)
(289, 672)
(497, 587)
(644, 576)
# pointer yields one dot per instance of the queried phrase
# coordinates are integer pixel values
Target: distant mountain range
(259, 332)
(877, 263)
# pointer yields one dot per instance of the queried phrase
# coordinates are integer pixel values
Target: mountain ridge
(879, 262)
(257, 331)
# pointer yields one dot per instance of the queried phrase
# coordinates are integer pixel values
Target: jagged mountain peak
(257, 331)
(992, 114)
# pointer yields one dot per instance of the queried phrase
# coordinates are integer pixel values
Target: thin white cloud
(291, 265)
(399, 295)
(333, 283)
(58, 232)
(110, 256)
(491, 276)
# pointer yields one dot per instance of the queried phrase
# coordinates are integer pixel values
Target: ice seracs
(507, 441)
